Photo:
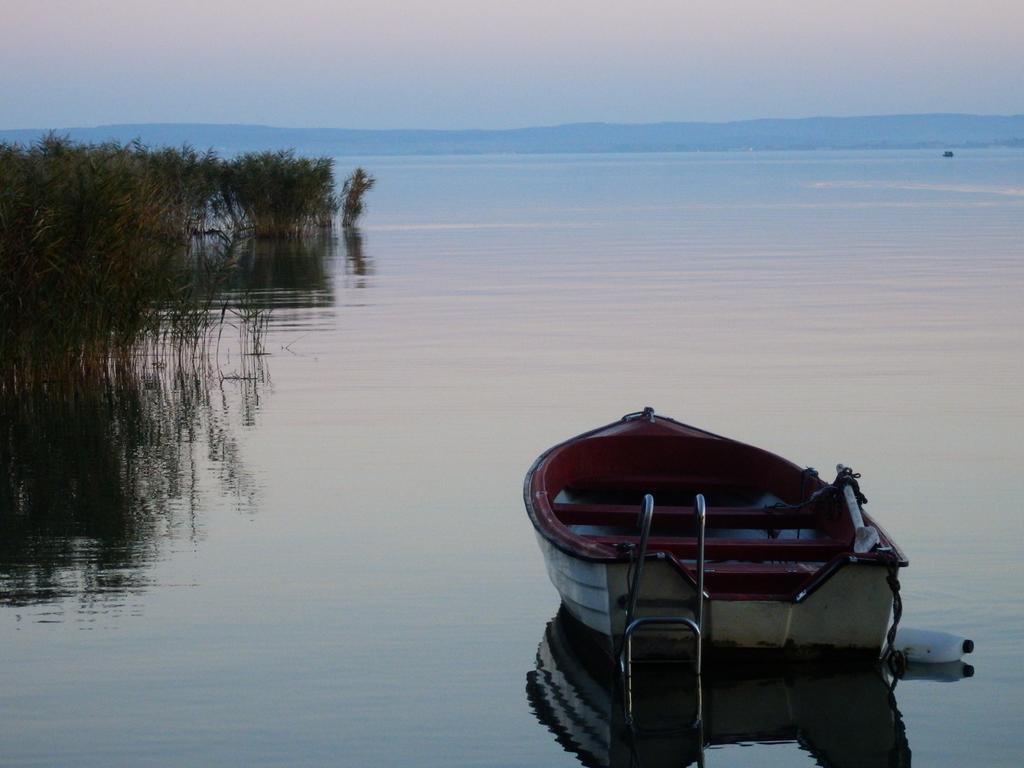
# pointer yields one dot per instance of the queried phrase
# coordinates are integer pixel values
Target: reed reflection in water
(95, 477)
(99, 475)
(357, 264)
(294, 274)
(299, 274)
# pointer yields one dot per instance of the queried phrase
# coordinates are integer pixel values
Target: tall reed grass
(278, 194)
(108, 248)
(89, 245)
(352, 193)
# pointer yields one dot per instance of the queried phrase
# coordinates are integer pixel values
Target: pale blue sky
(463, 64)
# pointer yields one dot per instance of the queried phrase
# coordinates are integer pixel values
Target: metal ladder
(694, 625)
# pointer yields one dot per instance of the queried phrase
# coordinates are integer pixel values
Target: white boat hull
(846, 614)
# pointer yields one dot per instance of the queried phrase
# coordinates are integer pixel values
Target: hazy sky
(479, 63)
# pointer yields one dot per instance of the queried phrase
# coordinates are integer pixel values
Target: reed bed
(88, 247)
(278, 194)
(107, 249)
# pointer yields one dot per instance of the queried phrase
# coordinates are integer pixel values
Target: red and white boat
(792, 566)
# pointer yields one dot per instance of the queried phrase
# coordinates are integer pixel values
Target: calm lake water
(324, 559)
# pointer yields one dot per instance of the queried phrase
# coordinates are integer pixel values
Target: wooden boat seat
(746, 581)
(652, 483)
(677, 519)
(737, 568)
(750, 581)
(668, 491)
(745, 550)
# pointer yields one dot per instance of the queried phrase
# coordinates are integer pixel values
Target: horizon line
(520, 127)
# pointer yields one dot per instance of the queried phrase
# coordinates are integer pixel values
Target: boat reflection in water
(841, 716)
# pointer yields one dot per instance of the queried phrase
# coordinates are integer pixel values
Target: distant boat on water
(948, 153)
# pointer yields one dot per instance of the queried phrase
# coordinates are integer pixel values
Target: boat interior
(761, 538)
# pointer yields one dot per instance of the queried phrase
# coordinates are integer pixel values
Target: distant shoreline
(889, 132)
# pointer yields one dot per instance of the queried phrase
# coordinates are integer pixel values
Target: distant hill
(884, 132)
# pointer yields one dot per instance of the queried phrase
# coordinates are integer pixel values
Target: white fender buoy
(926, 646)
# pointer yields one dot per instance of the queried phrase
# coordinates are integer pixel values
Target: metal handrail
(700, 515)
(646, 516)
(695, 625)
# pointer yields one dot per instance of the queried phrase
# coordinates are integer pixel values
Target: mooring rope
(895, 659)
(899, 754)
(846, 476)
